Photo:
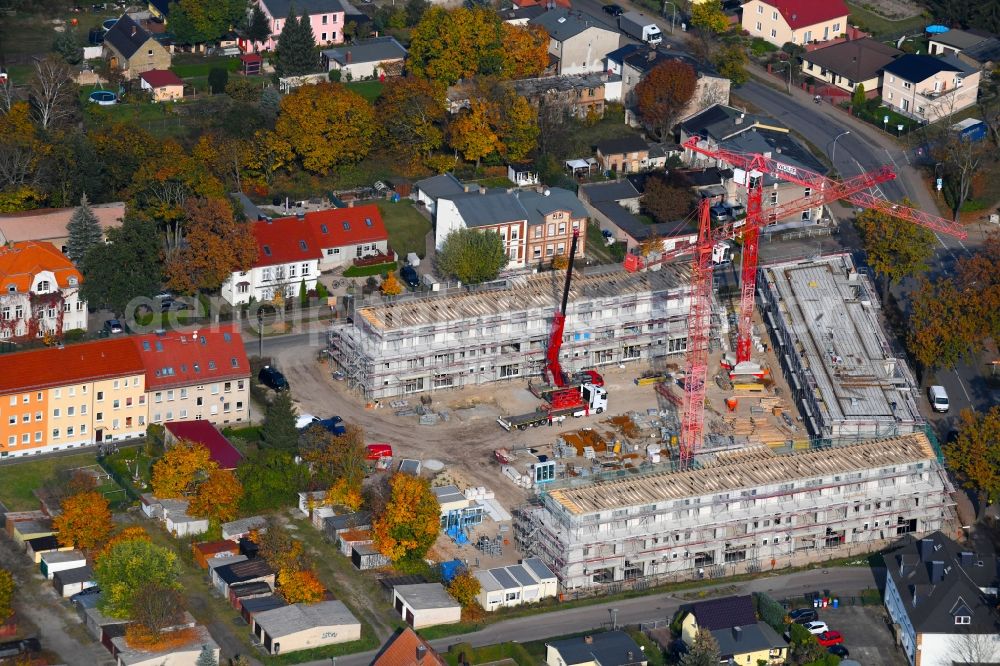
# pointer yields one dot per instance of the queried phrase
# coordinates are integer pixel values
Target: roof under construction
(745, 468)
(520, 294)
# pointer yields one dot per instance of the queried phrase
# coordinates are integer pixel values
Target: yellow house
(796, 21)
(733, 624)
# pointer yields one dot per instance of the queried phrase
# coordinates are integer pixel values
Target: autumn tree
(410, 523)
(218, 497)
(277, 546)
(270, 479)
(961, 159)
(391, 286)
(974, 456)
(125, 268)
(22, 154)
(516, 124)
(300, 587)
(978, 277)
(663, 94)
(131, 533)
(334, 458)
(472, 256)
(525, 51)
(85, 521)
(230, 158)
(296, 48)
(803, 648)
(52, 92)
(84, 232)
(703, 652)
(709, 17)
(279, 431)
(411, 111)
(326, 125)
(216, 246)
(731, 62)
(896, 248)
(129, 567)
(448, 45)
(181, 469)
(465, 588)
(7, 589)
(942, 330)
(666, 199)
(471, 133)
(156, 607)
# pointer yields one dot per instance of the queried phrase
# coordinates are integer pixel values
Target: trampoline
(103, 97)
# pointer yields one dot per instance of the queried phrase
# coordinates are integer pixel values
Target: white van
(939, 398)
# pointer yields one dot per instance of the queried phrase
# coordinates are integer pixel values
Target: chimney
(737, 633)
(588, 640)
(347, 57)
(421, 653)
(925, 547)
(936, 569)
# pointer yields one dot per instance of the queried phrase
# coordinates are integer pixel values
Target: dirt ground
(892, 9)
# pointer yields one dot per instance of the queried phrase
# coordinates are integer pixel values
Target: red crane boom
(552, 366)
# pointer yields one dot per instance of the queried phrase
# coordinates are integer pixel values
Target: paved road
(843, 581)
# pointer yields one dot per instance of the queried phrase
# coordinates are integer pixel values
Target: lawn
(370, 90)
(366, 271)
(879, 25)
(407, 228)
(597, 248)
(19, 479)
(200, 66)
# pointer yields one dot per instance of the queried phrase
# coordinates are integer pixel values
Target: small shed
(73, 581)
(346, 541)
(426, 605)
(334, 525)
(209, 549)
(254, 605)
(39, 545)
(243, 591)
(222, 560)
(305, 626)
(60, 560)
(364, 556)
(251, 64)
(242, 527)
(522, 174)
(248, 571)
(178, 521)
(163, 84)
(513, 585)
(25, 530)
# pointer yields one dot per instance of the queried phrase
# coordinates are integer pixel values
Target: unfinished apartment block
(738, 511)
(465, 338)
(849, 382)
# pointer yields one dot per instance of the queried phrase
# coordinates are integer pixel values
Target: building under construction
(824, 319)
(473, 337)
(738, 511)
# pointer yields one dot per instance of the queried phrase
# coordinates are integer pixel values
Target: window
(115, 424)
(128, 421)
(55, 433)
(536, 253)
(774, 33)
(117, 404)
(892, 79)
(27, 398)
(907, 85)
(774, 198)
(13, 400)
(807, 37)
(242, 288)
(6, 313)
(322, 36)
(227, 387)
(55, 413)
(38, 435)
(325, 18)
(184, 393)
(11, 441)
(70, 411)
(760, 9)
(150, 53)
(774, 16)
(26, 437)
(12, 420)
(69, 431)
(158, 397)
(305, 267)
(548, 250)
(99, 417)
(836, 27)
(38, 416)
(100, 396)
(963, 619)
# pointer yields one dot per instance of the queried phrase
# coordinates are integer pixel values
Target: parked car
(113, 326)
(939, 398)
(170, 305)
(613, 10)
(409, 276)
(803, 615)
(839, 650)
(830, 638)
(816, 628)
(334, 425)
(271, 378)
(305, 420)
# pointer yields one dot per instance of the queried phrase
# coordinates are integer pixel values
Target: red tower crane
(823, 190)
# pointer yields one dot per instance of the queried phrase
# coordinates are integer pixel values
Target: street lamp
(673, 19)
(833, 154)
(614, 618)
(788, 85)
(260, 332)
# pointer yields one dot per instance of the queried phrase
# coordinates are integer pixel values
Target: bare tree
(961, 159)
(7, 95)
(991, 116)
(52, 92)
(974, 649)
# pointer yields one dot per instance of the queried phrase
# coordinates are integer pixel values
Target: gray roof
(279, 8)
(82, 574)
(539, 204)
(632, 225)
(360, 519)
(611, 191)
(749, 638)
(783, 148)
(241, 572)
(504, 578)
(479, 210)
(440, 186)
(519, 13)
(378, 49)
(628, 144)
(521, 575)
(487, 581)
(249, 208)
(538, 568)
(857, 60)
(548, 84)
(919, 67)
(265, 603)
(719, 122)
(242, 526)
(225, 560)
(126, 36)
(60, 556)
(448, 494)
(647, 57)
(985, 51)
(423, 596)
(287, 620)
(563, 24)
(932, 605)
(611, 648)
(959, 39)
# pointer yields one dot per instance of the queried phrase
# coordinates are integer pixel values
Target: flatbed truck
(585, 400)
(573, 381)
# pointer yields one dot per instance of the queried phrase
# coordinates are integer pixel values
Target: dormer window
(43, 286)
(368, 221)
(303, 246)
(323, 228)
(73, 282)
(347, 226)
(267, 250)
(11, 289)
(963, 619)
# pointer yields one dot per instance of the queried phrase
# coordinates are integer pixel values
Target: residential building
(733, 623)
(737, 510)
(848, 64)
(534, 227)
(929, 88)
(578, 40)
(326, 18)
(378, 57)
(610, 648)
(500, 333)
(577, 95)
(426, 192)
(516, 584)
(128, 47)
(345, 234)
(796, 21)
(305, 626)
(162, 84)
(65, 397)
(196, 374)
(942, 599)
(425, 605)
(406, 648)
(49, 224)
(615, 207)
(39, 292)
(521, 15)
(626, 155)
(222, 452)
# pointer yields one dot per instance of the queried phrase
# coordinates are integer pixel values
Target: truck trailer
(641, 27)
(584, 400)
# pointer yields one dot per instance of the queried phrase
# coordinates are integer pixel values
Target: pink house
(325, 16)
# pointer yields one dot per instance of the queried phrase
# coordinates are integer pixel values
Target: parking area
(866, 634)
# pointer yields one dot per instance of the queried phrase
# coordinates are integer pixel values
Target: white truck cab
(939, 398)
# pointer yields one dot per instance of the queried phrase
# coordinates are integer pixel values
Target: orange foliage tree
(218, 497)
(391, 285)
(465, 588)
(300, 586)
(85, 521)
(216, 245)
(410, 522)
(663, 94)
(181, 468)
(526, 51)
(342, 493)
(133, 533)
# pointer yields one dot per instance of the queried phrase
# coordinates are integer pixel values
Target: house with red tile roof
(163, 84)
(39, 292)
(200, 431)
(196, 374)
(406, 648)
(294, 250)
(797, 21)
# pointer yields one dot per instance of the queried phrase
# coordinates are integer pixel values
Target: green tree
(896, 248)
(207, 658)
(258, 29)
(708, 16)
(296, 48)
(127, 568)
(858, 98)
(218, 77)
(200, 21)
(803, 648)
(270, 480)
(731, 61)
(472, 256)
(704, 651)
(303, 294)
(67, 45)
(279, 430)
(769, 611)
(974, 456)
(127, 267)
(84, 232)
(7, 589)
